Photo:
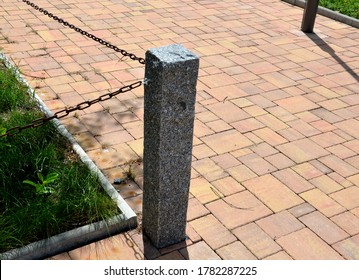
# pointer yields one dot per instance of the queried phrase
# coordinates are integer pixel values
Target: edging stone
(81, 236)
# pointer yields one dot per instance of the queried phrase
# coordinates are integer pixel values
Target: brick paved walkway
(275, 163)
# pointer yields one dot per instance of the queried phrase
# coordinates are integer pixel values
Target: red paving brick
(238, 209)
(305, 245)
(323, 227)
(349, 248)
(349, 197)
(214, 238)
(279, 224)
(302, 150)
(256, 240)
(293, 180)
(235, 251)
(275, 156)
(322, 202)
(273, 193)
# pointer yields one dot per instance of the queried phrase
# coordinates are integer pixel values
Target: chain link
(85, 33)
(65, 112)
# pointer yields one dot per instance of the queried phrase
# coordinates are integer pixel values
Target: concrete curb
(328, 13)
(86, 234)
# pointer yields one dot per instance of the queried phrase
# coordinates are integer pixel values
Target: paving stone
(278, 80)
(280, 161)
(226, 141)
(238, 209)
(348, 222)
(354, 179)
(264, 149)
(218, 80)
(326, 184)
(114, 248)
(228, 186)
(279, 224)
(261, 67)
(225, 161)
(296, 104)
(255, 111)
(247, 125)
(308, 170)
(279, 256)
(171, 256)
(113, 138)
(199, 251)
(217, 238)
(176, 246)
(228, 112)
(100, 123)
(202, 151)
(273, 193)
(341, 151)
(87, 141)
(270, 136)
(235, 251)
(218, 125)
(349, 248)
(291, 134)
(203, 190)
(325, 204)
(349, 197)
(208, 169)
(113, 156)
(305, 245)
(62, 256)
(195, 209)
(272, 122)
(323, 227)
(301, 210)
(258, 242)
(257, 164)
(302, 150)
(200, 129)
(303, 128)
(322, 125)
(327, 115)
(339, 165)
(293, 180)
(241, 173)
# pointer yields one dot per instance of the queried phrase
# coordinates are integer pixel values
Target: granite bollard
(171, 74)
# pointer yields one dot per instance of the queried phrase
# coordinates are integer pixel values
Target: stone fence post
(309, 15)
(169, 108)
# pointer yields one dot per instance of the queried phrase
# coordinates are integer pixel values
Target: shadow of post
(328, 49)
(176, 251)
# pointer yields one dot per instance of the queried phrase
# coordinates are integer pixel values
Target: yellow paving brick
(226, 141)
(215, 239)
(273, 193)
(238, 209)
(325, 204)
(258, 242)
(203, 190)
(305, 245)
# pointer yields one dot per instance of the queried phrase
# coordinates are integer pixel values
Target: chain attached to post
(65, 112)
(85, 33)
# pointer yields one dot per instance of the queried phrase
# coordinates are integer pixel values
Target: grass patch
(71, 195)
(346, 7)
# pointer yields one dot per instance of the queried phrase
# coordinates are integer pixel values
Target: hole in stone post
(183, 105)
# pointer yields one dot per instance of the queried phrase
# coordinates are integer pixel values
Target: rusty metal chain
(65, 112)
(85, 33)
